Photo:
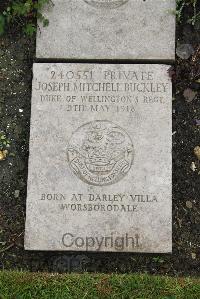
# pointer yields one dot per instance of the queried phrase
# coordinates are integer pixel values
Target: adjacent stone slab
(100, 158)
(108, 29)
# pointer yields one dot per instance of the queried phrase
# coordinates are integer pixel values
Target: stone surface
(100, 158)
(96, 29)
(184, 51)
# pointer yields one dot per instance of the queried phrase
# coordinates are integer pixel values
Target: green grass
(24, 285)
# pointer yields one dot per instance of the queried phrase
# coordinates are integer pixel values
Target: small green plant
(181, 5)
(4, 145)
(23, 12)
(4, 141)
(158, 260)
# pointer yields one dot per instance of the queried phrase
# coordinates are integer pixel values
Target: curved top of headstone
(106, 3)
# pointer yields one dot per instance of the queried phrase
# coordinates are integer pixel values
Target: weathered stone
(189, 94)
(184, 51)
(96, 29)
(100, 158)
(16, 194)
(197, 152)
(189, 204)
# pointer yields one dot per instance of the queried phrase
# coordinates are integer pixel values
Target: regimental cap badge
(100, 153)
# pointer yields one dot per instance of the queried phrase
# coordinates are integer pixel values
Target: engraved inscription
(102, 134)
(106, 3)
(100, 152)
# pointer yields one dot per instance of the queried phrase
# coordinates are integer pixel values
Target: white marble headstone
(100, 158)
